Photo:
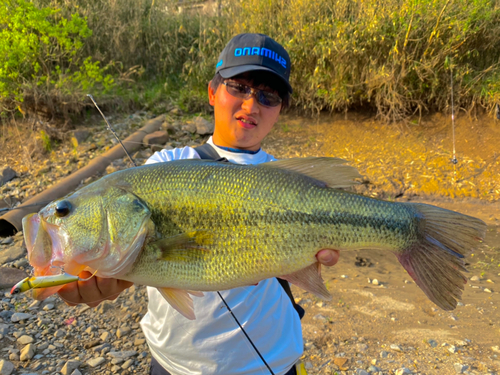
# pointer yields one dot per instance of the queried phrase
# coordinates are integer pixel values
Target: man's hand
(328, 257)
(93, 291)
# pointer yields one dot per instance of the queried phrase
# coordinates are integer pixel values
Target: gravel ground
(378, 322)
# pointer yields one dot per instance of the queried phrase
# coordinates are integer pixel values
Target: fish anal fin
(195, 293)
(309, 279)
(331, 171)
(187, 246)
(180, 300)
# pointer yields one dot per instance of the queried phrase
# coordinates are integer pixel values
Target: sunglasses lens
(265, 98)
(268, 99)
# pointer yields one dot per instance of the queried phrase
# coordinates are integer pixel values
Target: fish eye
(15, 291)
(63, 208)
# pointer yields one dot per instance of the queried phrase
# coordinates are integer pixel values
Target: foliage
(40, 51)
(393, 56)
(46, 141)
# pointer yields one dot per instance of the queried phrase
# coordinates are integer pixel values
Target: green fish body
(195, 225)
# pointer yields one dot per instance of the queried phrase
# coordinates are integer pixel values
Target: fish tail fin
(436, 261)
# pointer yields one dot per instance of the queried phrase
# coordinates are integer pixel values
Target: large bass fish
(195, 225)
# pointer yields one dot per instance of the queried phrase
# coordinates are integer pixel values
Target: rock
(48, 306)
(99, 348)
(6, 367)
(203, 127)
(127, 364)
(475, 278)
(79, 136)
(10, 254)
(17, 317)
(123, 354)
(396, 347)
(4, 329)
(28, 352)
(70, 366)
(361, 372)
(452, 349)
(157, 138)
(189, 127)
(402, 371)
(122, 331)
(460, 368)
(7, 241)
(362, 347)
(384, 354)
(25, 339)
(6, 174)
(432, 343)
(59, 333)
(105, 306)
(138, 342)
(76, 372)
(105, 336)
(10, 276)
(94, 362)
(375, 282)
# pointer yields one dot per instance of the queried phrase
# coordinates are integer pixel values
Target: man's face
(241, 123)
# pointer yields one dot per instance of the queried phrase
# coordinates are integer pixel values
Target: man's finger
(69, 293)
(111, 288)
(328, 257)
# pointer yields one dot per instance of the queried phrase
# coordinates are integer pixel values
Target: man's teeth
(247, 121)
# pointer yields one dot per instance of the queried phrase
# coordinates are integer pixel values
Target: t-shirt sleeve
(173, 154)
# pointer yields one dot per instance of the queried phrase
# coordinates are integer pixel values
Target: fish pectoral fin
(180, 300)
(330, 171)
(43, 293)
(187, 246)
(309, 279)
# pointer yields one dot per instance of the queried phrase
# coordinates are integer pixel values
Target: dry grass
(392, 56)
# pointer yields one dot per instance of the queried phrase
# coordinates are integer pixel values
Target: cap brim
(231, 72)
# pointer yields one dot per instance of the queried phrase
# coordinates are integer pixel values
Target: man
(248, 91)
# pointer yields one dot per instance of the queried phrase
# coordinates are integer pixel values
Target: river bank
(378, 322)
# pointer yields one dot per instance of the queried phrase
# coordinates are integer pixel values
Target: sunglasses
(265, 98)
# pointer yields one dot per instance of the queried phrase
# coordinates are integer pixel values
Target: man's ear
(211, 94)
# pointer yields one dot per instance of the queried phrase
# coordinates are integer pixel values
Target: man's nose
(250, 104)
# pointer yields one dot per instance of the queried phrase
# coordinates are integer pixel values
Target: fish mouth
(44, 244)
(38, 242)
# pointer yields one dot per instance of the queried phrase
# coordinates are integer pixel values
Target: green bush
(392, 56)
(388, 54)
(40, 52)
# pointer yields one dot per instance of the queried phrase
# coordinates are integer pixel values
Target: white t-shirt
(213, 343)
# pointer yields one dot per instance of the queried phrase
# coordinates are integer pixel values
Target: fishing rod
(220, 295)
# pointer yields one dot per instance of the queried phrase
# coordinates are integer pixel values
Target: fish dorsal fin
(309, 279)
(180, 300)
(331, 171)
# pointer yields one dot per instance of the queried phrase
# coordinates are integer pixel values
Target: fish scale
(198, 225)
(285, 228)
